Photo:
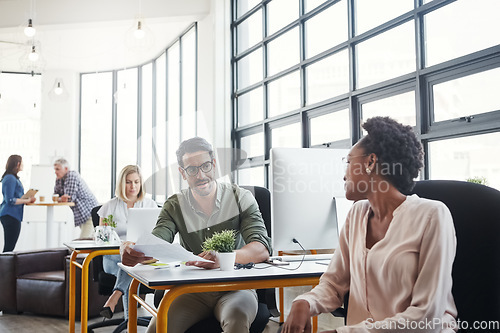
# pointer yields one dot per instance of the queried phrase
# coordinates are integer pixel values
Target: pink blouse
(403, 282)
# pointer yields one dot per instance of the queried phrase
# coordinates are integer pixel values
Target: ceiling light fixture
(58, 91)
(29, 30)
(33, 56)
(139, 32)
(139, 37)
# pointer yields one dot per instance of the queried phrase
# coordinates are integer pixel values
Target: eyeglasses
(247, 266)
(193, 170)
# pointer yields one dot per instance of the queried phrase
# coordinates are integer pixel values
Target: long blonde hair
(121, 191)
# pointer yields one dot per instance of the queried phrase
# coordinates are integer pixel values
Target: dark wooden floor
(26, 323)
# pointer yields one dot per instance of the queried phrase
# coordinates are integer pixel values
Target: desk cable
(286, 268)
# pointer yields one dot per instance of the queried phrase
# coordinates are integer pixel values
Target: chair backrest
(97, 261)
(476, 269)
(263, 198)
(95, 216)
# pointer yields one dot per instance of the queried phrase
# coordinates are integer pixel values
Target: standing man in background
(71, 187)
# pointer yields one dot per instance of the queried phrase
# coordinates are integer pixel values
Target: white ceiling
(91, 35)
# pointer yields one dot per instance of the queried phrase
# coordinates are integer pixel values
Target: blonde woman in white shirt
(395, 252)
(130, 193)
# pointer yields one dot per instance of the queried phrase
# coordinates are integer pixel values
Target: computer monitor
(140, 221)
(307, 197)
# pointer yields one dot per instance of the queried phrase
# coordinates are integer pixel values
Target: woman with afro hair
(395, 252)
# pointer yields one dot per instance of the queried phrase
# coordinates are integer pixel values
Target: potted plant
(105, 233)
(223, 244)
(478, 180)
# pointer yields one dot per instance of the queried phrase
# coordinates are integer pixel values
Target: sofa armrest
(8, 282)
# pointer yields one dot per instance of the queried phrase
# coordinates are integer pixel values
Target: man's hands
(131, 257)
(299, 319)
(251, 252)
(65, 198)
(209, 255)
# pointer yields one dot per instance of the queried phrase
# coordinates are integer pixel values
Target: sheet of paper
(155, 247)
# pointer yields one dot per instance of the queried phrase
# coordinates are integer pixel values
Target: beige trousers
(87, 229)
(235, 310)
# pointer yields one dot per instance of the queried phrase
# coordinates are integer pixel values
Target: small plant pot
(105, 235)
(226, 260)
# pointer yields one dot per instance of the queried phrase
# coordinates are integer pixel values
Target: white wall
(59, 121)
(214, 84)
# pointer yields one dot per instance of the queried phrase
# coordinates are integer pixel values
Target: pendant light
(29, 31)
(139, 33)
(33, 56)
(58, 92)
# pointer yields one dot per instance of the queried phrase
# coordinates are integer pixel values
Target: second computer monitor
(307, 197)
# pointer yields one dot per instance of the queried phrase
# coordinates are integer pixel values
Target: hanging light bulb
(29, 30)
(58, 90)
(139, 32)
(58, 93)
(33, 56)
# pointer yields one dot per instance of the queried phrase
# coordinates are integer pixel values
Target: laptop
(140, 221)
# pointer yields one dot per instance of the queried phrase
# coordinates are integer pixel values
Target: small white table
(188, 279)
(93, 250)
(49, 241)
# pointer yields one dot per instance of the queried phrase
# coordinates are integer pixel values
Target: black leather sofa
(38, 282)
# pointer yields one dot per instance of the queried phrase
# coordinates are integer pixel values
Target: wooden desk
(93, 251)
(49, 240)
(184, 280)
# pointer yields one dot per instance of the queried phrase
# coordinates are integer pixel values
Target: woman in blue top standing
(11, 209)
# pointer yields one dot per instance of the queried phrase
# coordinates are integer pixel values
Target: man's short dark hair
(192, 146)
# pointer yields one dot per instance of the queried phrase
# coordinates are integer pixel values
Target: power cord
(286, 268)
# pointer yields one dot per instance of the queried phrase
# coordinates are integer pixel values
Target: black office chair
(476, 269)
(105, 287)
(267, 299)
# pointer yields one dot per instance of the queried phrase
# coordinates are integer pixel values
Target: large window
(308, 72)
(139, 116)
(126, 117)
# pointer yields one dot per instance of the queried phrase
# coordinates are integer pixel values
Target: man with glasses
(196, 213)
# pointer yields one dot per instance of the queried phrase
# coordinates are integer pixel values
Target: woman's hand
(299, 319)
(20, 201)
(209, 255)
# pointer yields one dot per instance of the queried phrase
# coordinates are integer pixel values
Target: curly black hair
(399, 152)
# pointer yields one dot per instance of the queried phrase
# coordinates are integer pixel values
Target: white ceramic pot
(226, 260)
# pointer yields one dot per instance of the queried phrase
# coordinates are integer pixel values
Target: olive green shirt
(235, 208)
